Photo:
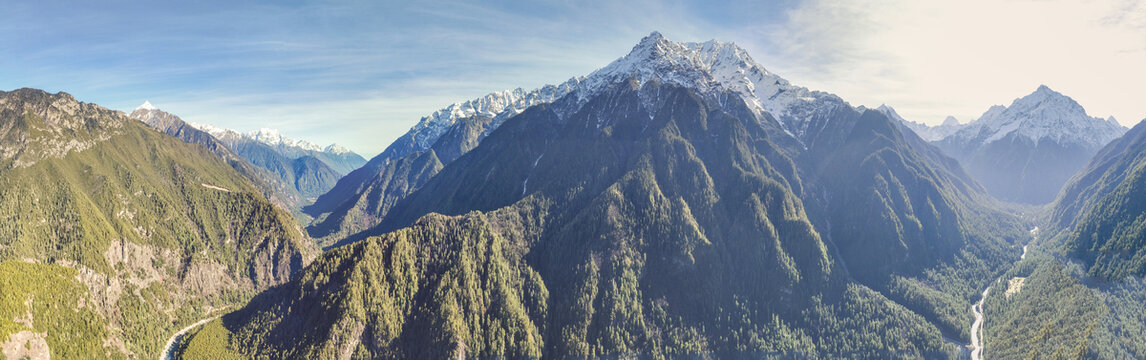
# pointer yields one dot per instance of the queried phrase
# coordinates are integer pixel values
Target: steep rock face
(39, 127)
(1025, 152)
(132, 231)
(491, 110)
(649, 222)
(1102, 213)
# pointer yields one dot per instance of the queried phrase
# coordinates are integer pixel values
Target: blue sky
(361, 73)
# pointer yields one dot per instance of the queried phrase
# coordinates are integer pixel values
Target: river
(977, 327)
(977, 308)
(169, 349)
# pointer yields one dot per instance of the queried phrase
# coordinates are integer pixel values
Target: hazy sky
(362, 73)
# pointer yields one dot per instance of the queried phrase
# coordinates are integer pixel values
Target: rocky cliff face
(38, 127)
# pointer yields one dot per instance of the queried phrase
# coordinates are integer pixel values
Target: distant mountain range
(949, 126)
(296, 171)
(1081, 287)
(1024, 152)
(338, 158)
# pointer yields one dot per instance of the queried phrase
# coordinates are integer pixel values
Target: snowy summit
(710, 68)
(147, 106)
(1044, 114)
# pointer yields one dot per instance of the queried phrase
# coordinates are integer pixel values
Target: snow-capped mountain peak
(336, 149)
(1044, 114)
(890, 112)
(708, 67)
(147, 106)
(273, 137)
(926, 132)
(498, 105)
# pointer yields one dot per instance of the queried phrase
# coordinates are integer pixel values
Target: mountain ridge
(710, 66)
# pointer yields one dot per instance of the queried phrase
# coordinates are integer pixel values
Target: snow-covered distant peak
(147, 106)
(270, 137)
(926, 132)
(1043, 114)
(216, 131)
(950, 121)
(273, 137)
(336, 149)
(267, 136)
(890, 112)
(498, 105)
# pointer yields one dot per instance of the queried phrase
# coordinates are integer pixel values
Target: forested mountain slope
(112, 234)
(1080, 293)
(669, 229)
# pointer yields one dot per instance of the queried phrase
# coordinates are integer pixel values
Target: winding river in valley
(172, 342)
(977, 308)
(977, 327)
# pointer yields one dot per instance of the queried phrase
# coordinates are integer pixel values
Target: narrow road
(169, 349)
